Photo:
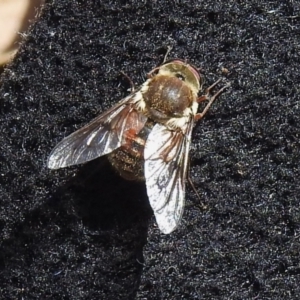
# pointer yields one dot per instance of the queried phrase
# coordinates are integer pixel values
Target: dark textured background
(84, 233)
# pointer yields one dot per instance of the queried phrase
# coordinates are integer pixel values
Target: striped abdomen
(128, 160)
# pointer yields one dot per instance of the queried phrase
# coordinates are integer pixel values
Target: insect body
(147, 137)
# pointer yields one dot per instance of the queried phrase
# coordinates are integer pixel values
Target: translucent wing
(103, 135)
(166, 164)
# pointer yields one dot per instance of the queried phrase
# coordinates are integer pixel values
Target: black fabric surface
(83, 232)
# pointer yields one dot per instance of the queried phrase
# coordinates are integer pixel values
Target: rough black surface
(84, 233)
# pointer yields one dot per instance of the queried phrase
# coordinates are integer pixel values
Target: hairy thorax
(167, 97)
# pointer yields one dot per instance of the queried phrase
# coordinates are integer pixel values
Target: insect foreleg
(169, 48)
(210, 98)
(132, 87)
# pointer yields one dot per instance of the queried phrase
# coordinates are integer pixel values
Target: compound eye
(180, 76)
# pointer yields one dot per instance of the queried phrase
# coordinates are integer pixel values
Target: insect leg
(202, 205)
(193, 187)
(169, 48)
(130, 81)
(150, 74)
(210, 99)
(192, 184)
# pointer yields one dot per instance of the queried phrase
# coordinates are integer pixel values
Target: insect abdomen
(128, 160)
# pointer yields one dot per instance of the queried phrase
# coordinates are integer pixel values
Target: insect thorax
(167, 97)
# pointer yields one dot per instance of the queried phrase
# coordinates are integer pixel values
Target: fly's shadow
(103, 200)
(94, 219)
